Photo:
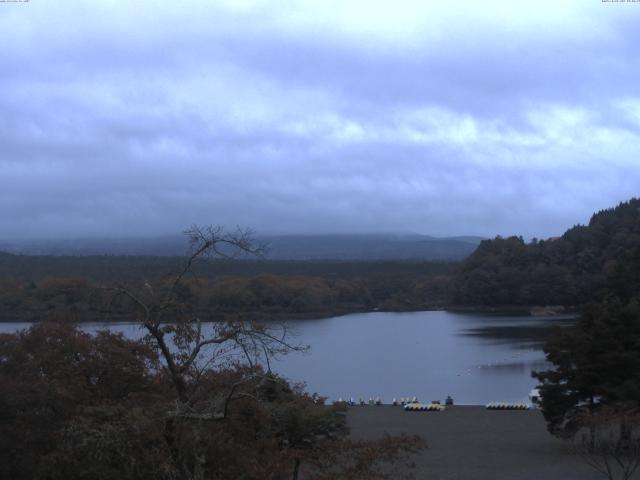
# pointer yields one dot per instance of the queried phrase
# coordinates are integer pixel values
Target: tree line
(587, 263)
(34, 288)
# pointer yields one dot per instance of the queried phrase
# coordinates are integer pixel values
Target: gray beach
(472, 443)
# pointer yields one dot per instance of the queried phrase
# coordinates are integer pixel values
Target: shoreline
(261, 316)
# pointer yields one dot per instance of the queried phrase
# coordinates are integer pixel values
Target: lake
(475, 358)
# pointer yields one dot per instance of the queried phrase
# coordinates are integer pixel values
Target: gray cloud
(133, 119)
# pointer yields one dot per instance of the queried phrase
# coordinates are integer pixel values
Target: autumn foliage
(80, 406)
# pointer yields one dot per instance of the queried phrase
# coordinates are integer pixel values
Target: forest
(588, 262)
(33, 287)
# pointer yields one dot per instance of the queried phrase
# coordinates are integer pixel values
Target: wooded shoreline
(9, 316)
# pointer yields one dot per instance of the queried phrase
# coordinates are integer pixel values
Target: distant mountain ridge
(370, 247)
(280, 247)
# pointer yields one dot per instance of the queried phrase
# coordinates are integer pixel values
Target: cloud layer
(450, 118)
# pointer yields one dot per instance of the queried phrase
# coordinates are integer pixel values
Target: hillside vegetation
(587, 263)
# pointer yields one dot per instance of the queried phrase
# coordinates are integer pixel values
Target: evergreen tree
(597, 364)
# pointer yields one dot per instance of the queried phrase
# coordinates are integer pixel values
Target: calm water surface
(474, 358)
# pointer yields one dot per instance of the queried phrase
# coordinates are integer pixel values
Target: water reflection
(526, 367)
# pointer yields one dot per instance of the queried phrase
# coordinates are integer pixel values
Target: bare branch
(194, 353)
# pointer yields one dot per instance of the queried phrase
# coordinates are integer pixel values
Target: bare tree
(185, 344)
(610, 441)
(189, 348)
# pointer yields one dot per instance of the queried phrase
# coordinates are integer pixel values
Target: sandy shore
(472, 443)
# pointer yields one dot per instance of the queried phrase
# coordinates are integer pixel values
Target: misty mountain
(279, 247)
(370, 247)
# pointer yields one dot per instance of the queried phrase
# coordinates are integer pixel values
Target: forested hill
(586, 263)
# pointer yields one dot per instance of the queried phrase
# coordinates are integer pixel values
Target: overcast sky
(437, 117)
